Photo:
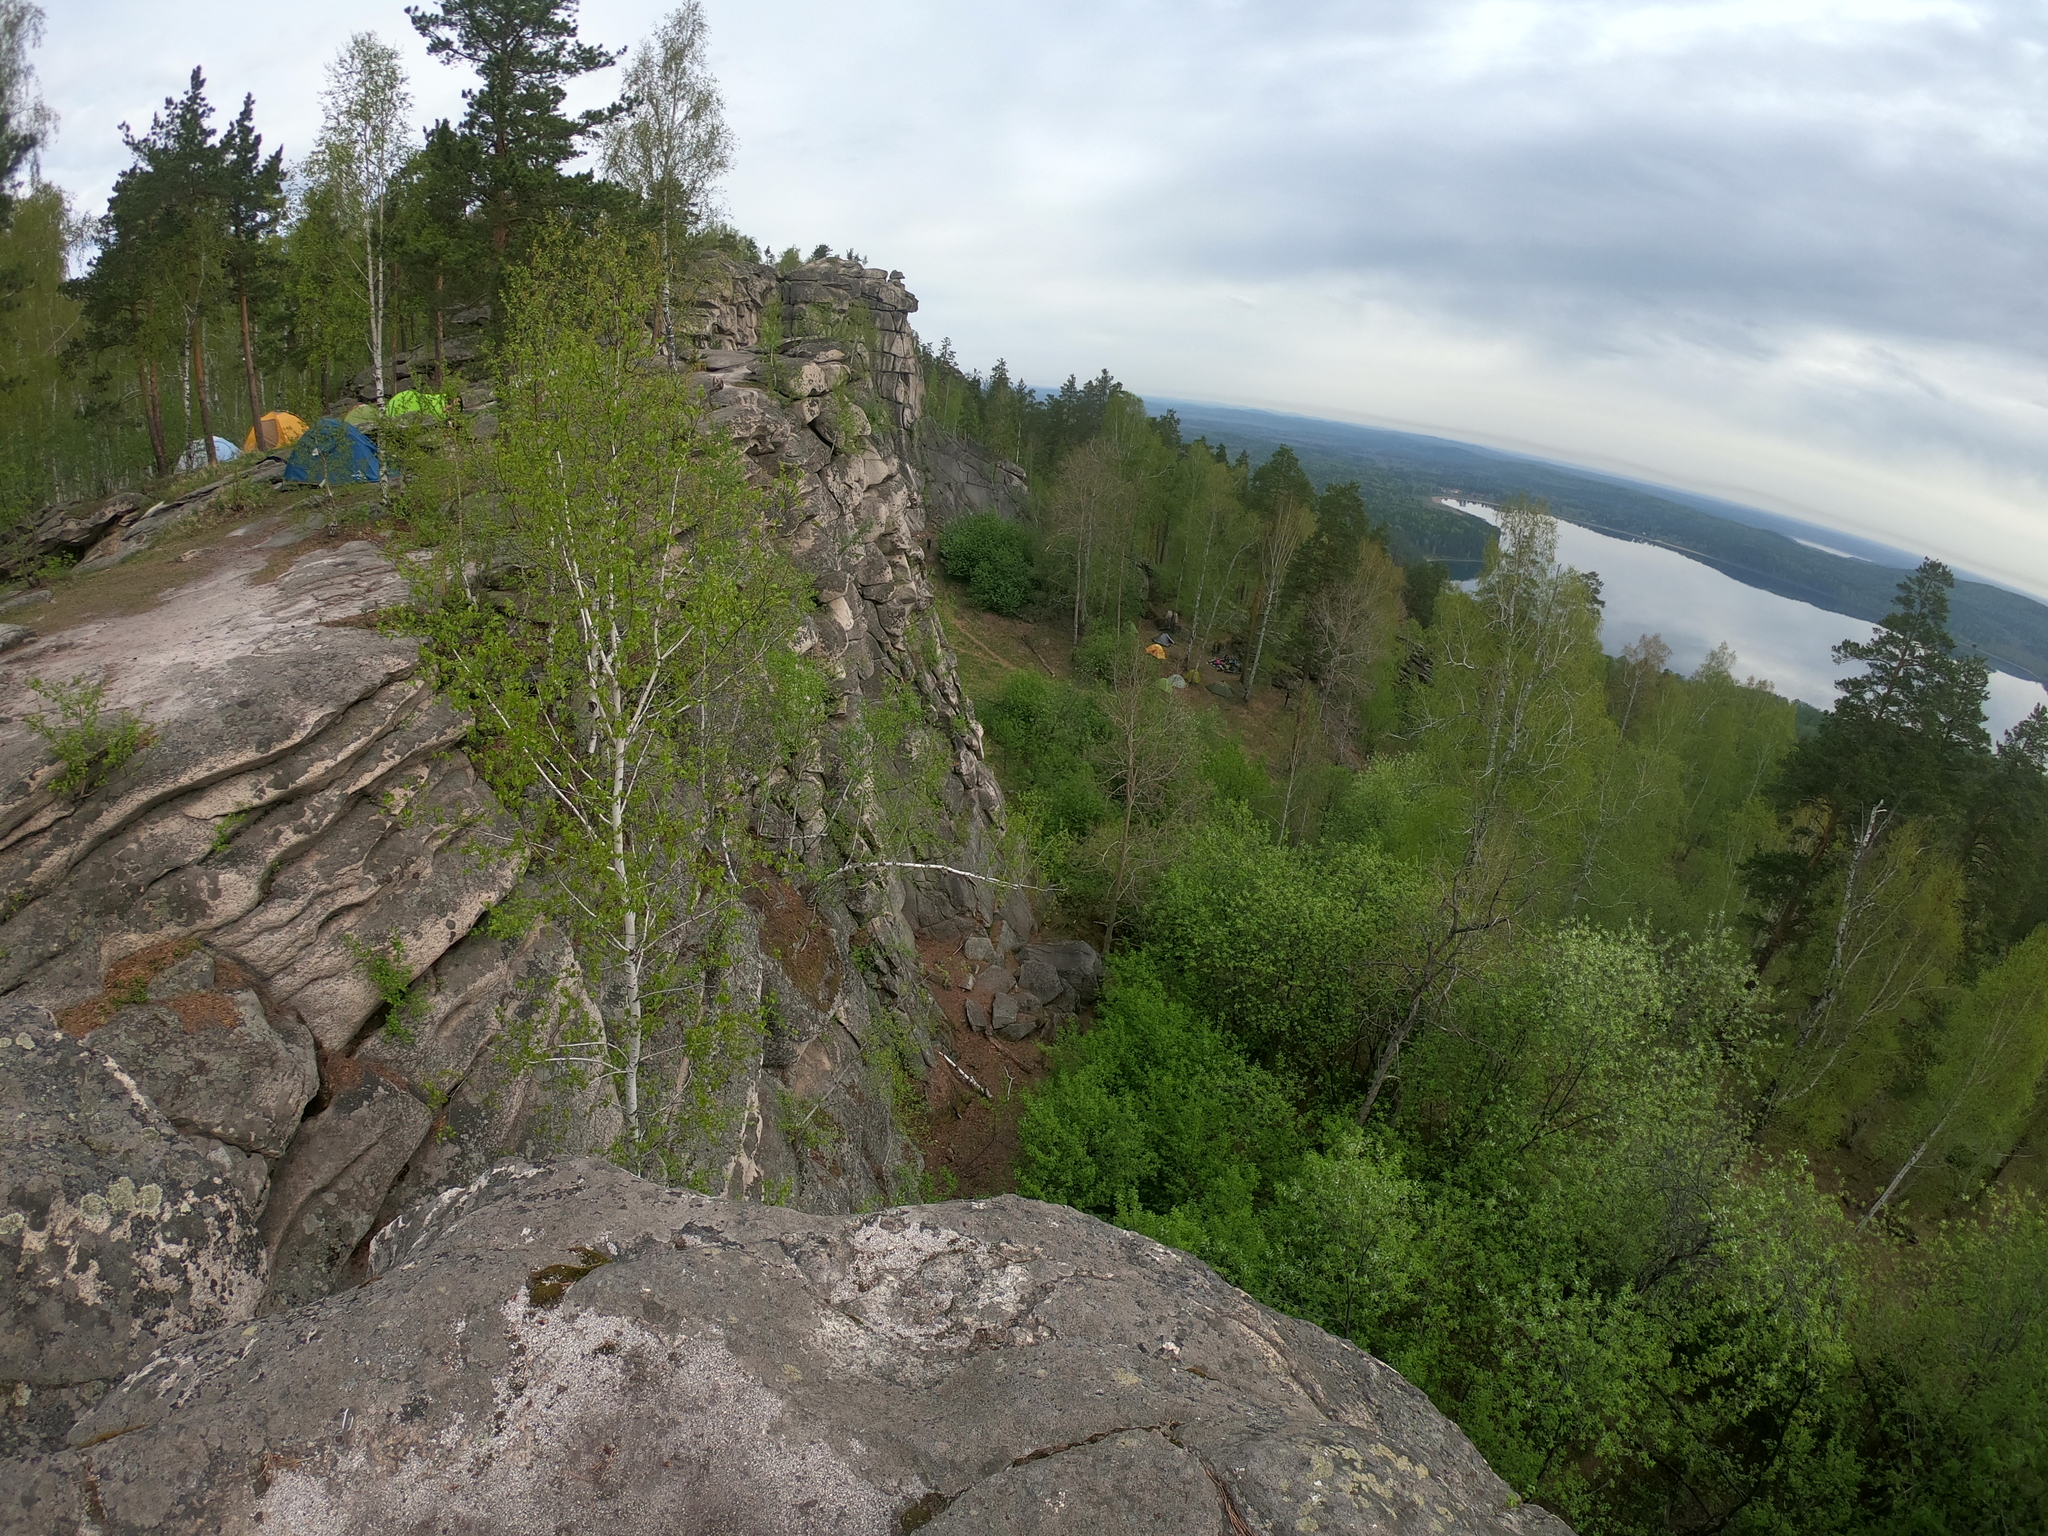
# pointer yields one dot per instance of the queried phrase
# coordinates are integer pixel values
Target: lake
(1778, 640)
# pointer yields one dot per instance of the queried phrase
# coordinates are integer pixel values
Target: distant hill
(1401, 471)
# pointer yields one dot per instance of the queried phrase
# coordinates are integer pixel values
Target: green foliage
(1562, 1236)
(1104, 652)
(646, 677)
(524, 53)
(1043, 731)
(1955, 1350)
(225, 829)
(91, 744)
(807, 1127)
(1153, 1111)
(405, 1005)
(1424, 581)
(992, 555)
(1470, 1066)
(1298, 951)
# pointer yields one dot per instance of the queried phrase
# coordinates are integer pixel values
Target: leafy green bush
(1096, 657)
(1154, 1110)
(1043, 730)
(992, 555)
(405, 1006)
(90, 744)
(1955, 1350)
(1295, 951)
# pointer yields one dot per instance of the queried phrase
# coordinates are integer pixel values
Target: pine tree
(254, 207)
(1905, 738)
(184, 185)
(524, 53)
(434, 232)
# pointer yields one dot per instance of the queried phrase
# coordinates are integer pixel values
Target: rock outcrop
(223, 918)
(262, 1260)
(568, 1348)
(118, 1233)
(962, 478)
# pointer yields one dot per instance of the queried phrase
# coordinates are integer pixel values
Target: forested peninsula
(635, 899)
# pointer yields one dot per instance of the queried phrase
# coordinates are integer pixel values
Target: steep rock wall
(198, 928)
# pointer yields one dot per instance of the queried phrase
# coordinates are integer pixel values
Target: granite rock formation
(568, 1348)
(201, 921)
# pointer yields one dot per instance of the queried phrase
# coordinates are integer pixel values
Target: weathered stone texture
(117, 1233)
(568, 1348)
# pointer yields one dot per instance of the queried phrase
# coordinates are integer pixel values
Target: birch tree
(1089, 498)
(364, 141)
(1147, 760)
(25, 122)
(672, 144)
(1986, 1079)
(1508, 721)
(1889, 936)
(1280, 539)
(647, 683)
(1351, 627)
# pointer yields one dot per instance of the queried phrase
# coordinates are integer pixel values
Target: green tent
(417, 402)
(364, 416)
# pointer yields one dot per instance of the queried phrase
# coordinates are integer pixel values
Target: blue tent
(333, 453)
(194, 456)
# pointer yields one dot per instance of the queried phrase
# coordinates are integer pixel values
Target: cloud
(1784, 250)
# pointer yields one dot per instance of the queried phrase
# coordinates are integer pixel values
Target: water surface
(1778, 640)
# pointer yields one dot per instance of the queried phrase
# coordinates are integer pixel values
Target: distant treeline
(2010, 630)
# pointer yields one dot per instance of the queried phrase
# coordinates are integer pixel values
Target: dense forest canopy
(1654, 1079)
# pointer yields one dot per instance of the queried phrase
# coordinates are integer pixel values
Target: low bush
(993, 557)
(91, 743)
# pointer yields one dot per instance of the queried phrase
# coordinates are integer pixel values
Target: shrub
(993, 557)
(1096, 657)
(90, 744)
(1043, 730)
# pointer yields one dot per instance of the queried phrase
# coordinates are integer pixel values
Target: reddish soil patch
(970, 1136)
(794, 933)
(200, 1010)
(126, 981)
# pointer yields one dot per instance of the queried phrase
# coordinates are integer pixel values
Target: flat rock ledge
(565, 1348)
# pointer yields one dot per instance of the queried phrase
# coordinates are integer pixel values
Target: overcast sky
(1786, 251)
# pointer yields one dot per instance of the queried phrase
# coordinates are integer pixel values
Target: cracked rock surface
(565, 1347)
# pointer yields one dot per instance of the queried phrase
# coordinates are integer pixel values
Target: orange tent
(274, 429)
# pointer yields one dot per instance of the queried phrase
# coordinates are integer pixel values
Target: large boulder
(117, 1234)
(569, 1348)
(1061, 975)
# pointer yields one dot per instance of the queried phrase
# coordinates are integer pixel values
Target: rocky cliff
(202, 922)
(216, 1126)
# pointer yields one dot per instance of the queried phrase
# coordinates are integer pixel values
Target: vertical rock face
(201, 925)
(962, 478)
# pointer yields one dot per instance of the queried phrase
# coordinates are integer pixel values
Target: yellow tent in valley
(274, 429)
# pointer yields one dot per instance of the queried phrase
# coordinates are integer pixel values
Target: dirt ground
(970, 1134)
